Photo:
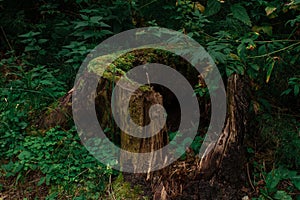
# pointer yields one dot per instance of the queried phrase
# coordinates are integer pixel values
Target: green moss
(114, 70)
(123, 190)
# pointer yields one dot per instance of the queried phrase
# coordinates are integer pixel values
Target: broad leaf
(282, 195)
(296, 182)
(240, 13)
(213, 7)
(269, 10)
(30, 34)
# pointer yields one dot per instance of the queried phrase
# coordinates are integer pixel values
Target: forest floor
(181, 182)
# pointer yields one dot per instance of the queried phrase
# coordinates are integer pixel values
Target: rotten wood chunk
(139, 107)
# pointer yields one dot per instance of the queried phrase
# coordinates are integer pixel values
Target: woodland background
(42, 45)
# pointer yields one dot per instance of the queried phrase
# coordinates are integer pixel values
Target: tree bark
(221, 166)
(227, 153)
(139, 109)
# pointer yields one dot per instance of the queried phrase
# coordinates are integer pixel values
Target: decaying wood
(59, 114)
(140, 104)
(160, 193)
(233, 132)
(222, 160)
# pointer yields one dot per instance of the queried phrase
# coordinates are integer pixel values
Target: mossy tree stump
(140, 102)
(219, 156)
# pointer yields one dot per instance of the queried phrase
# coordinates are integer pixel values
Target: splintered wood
(140, 104)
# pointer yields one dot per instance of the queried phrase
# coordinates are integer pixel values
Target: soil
(28, 188)
(182, 181)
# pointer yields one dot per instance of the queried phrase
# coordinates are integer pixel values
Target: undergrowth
(43, 43)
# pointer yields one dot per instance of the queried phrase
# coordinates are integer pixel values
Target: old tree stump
(223, 160)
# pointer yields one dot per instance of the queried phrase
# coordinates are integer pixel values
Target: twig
(272, 41)
(4, 34)
(81, 173)
(279, 50)
(249, 178)
(147, 4)
(111, 188)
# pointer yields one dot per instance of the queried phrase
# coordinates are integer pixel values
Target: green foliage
(64, 162)
(240, 13)
(274, 178)
(283, 134)
(213, 7)
(190, 19)
(24, 91)
(294, 85)
(39, 69)
(43, 43)
(120, 189)
(195, 143)
(32, 42)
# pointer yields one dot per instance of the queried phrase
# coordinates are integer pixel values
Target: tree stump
(222, 159)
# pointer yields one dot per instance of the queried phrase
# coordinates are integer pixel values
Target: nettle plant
(25, 89)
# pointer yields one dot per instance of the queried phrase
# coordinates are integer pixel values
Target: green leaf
(30, 34)
(296, 90)
(102, 24)
(42, 180)
(52, 196)
(272, 180)
(96, 19)
(32, 48)
(88, 34)
(265, 29)
(46, 82)
(235, 67)
(255, 67)
(269, 10)
(218, 56)
(81, 24)
(229, 71)
(84, 17)
(105, 32)
(24, 155)
(296, 182)
(213, 7)
(262, 50)
(41, 41)
(269, 66)
(282, 195)
(286, 92)
(240, 13)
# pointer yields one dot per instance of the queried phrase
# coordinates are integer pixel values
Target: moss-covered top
(103, 67)
(114, 71)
